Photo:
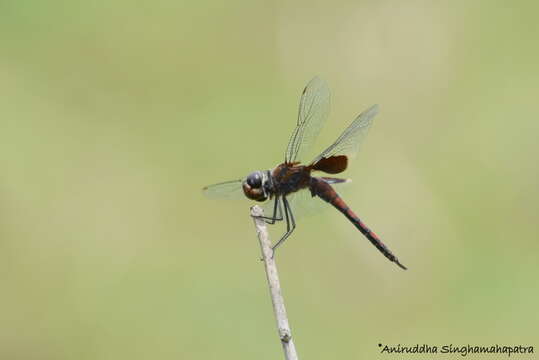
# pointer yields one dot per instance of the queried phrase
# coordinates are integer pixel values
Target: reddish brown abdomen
(322, 189)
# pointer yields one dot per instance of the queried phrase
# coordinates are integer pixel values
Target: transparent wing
(350, 140)
(225, 190)
(313, 113)
(303, 204)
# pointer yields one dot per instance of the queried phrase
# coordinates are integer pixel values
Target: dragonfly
(290, 180)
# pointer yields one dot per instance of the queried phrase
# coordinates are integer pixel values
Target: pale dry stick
(274, 286)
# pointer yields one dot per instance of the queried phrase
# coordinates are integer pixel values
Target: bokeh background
(114, 115)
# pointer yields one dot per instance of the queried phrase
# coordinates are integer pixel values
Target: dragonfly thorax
(257, 185)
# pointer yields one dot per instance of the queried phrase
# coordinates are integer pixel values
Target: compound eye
(254, 180)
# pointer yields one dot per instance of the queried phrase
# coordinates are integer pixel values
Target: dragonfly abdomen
(326, 192)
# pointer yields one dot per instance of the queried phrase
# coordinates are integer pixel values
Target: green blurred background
(114, 115)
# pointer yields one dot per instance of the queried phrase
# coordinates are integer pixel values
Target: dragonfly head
(256, 185)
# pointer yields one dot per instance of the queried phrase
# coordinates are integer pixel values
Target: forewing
(313, 113)
(349, 142)
(225, 190)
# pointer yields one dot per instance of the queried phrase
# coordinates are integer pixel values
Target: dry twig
(274, 286)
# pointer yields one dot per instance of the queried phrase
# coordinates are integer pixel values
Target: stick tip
(256, 211)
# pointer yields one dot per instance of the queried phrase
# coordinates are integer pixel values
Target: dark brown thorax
(290, 177)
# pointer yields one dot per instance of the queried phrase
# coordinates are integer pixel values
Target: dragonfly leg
(276, 208)
(290, 224)
(274, 217)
